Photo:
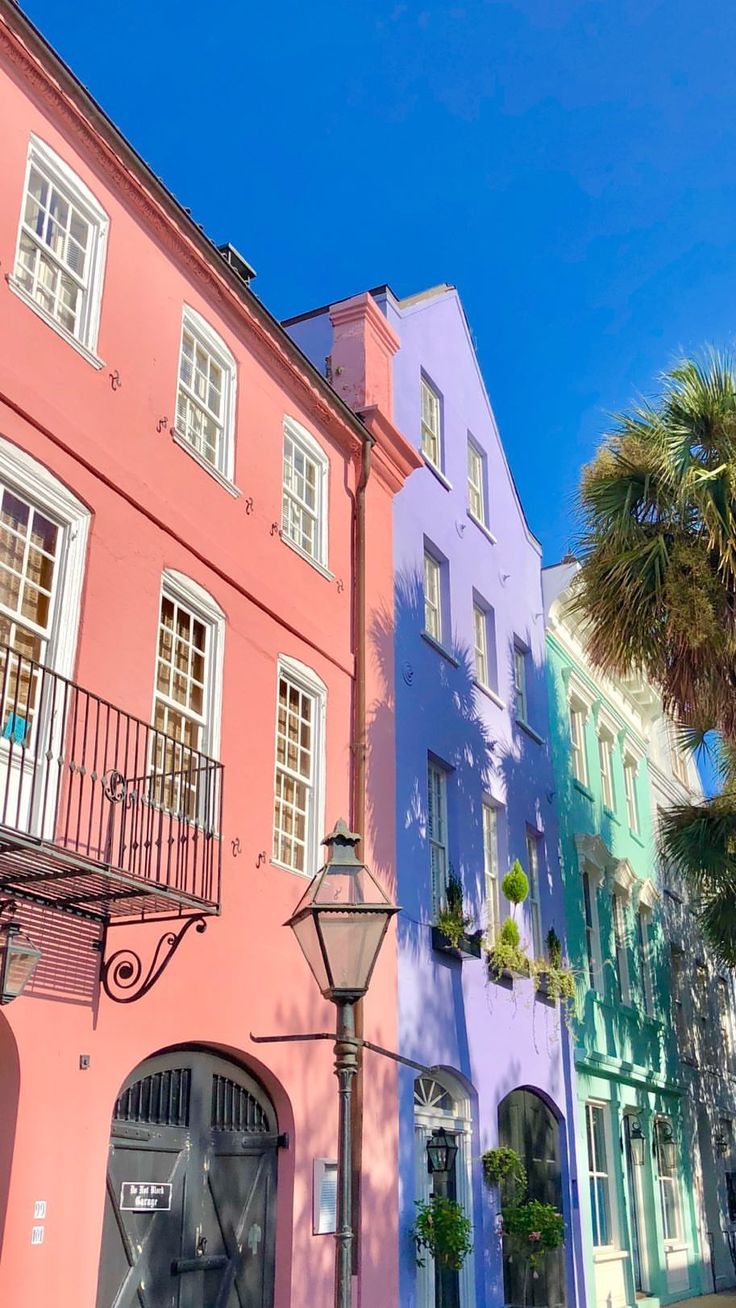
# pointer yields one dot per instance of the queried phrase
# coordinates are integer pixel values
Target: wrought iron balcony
(101, 814)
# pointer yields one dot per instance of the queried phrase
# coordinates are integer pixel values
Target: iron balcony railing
(101, 814)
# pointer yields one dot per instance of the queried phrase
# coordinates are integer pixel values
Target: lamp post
(340, 923)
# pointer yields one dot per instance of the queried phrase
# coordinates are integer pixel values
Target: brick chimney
(363, 347)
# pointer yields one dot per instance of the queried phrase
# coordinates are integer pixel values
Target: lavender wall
(451, 1016)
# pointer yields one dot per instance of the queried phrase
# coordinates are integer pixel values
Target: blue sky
(568, 165)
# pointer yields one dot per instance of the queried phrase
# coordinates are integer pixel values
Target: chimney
(363, 347)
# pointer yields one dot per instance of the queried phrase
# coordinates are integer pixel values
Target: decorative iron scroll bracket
(122, 973)
(347, 1040)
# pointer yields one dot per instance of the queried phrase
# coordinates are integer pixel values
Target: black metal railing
(129, 811)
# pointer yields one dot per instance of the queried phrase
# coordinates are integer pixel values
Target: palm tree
(657, 589)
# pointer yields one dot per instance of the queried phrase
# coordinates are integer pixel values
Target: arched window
(441, 1102)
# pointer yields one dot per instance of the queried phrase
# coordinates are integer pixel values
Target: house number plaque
(145, 1196)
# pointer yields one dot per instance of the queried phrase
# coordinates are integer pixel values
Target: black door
(191, 1188)
(528, 1125)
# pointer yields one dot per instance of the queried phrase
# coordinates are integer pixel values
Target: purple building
(475, 791)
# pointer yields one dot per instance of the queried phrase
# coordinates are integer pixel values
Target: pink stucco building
(181, 665)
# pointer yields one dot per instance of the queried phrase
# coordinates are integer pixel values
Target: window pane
(53, 264)
(432, 597)
(295, 770)
(301, 512)
(201, 397)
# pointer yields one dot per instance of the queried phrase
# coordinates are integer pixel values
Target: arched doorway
(527, 1124)
(191, 1187)
(441, 1102)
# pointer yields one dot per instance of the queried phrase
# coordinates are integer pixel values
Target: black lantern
(441, 1152)
(666, 1147)
(18, 961)
(637, 1142)
(341, 920)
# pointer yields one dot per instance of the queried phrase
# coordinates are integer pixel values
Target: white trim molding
(580, 695)
(310, 446)
(194, 597)
(623, 877)
(214, 345)
(312, 685)
(648, 895)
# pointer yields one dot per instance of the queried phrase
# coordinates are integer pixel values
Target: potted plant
(450, 932)
(506, 957)
(554, 978)
(530, 1230)
(502, 1166)
(442, 1229)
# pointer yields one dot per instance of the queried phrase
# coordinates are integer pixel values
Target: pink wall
(152, 508)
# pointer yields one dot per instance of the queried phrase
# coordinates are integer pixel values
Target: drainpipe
(359, 804)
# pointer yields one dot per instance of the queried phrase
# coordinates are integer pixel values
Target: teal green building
(638, 1209)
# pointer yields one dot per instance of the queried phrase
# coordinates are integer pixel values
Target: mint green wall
(623, 1057)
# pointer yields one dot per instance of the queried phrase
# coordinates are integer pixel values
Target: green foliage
(504, 1164)
(531, 1229)
(657, 595)
(509, 933)
(504, 956)
(451, 920)
(515, 884)
(554, 948)
(443, 1230)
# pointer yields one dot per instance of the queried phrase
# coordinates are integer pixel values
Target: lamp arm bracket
(348, 1040)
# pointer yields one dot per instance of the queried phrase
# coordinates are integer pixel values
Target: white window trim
(604, 1249)
(521, 650)
(426, 1122)
(482, 521)
(86, 344)
(438, 902)
(310, 682)
(644, 924)
(209, 338)
(437, 466)
(620, 942)
(577, 713)
(632, 759)
(41, 486)
(177, 586)
(605, 752)
(429, 553)
(533, 834)
(482, 611)
(595, 880)
(669, 1241)
(311, 447)
(493, 912)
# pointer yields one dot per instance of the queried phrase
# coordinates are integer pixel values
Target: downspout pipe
(360, 751)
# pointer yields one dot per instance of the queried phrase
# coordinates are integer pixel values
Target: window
(185, 715)
(605, 755)
(205, 398)
(577, 737)
(61, 246)
(600, 1201)
(679, 762)
(591, 927)
(437, 834)
(645, 960)
(431, 425)
(304, 504)
(480, 631)
(29, 567)
(433, 597)
(632, 806)
(700, 996)
(683, 1027)
(324, 1217)
(298, 790)
(491, 867)
(667, 1170)
(620, 948)
(532, 857)
(476, 483)
(520, 684)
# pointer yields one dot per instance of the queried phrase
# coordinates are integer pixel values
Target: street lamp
(18, 960)
(637, 1142)
(441, 1152)
(340, 923)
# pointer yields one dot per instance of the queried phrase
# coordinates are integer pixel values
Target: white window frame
(433, 603)
(205, 335)
(620, 946)
(644, 922)
(458, 1121)
(578, 743)
(311, 448)
(308, 681)
(534, 838)
(679, 760)
(428, 434)
(190, 595)
(477, 482)
(59, 173)
(521, 695)
(593, 1105)
(480, 643)
(631, 768)
(595, 871)
(673, 1181)
(437, 840)
(606, 746)
(491, 867)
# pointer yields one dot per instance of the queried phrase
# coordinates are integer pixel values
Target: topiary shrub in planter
(442, 1228)
(452, 921)
(515, 884)
(554, 978)
(506, 955)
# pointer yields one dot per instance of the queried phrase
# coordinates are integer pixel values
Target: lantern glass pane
(348, 883)
(305, 930)
(352, 941)
(21, 957)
